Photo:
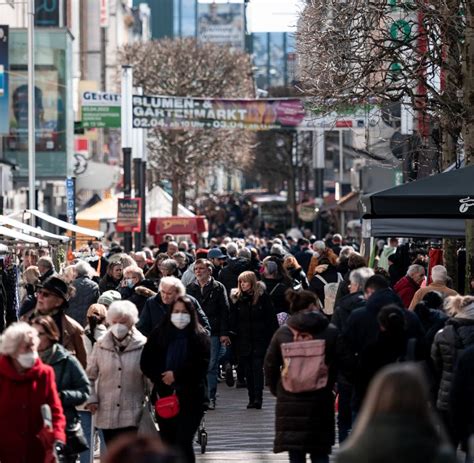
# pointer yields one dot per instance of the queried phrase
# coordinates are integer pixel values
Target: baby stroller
(202, 434)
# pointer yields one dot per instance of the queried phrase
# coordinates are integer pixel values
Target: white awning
(66, 225)
(8, 232)
(28, 228)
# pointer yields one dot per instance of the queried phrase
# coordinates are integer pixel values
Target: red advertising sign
(128, 215)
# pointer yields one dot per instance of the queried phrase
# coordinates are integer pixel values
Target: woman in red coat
(26, 384)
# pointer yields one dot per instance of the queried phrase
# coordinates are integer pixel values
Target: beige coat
(118, 386)
(438, 287)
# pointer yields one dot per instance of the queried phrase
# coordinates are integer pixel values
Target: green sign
(100, 110)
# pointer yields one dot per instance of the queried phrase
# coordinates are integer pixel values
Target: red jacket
(21, 397)
(406, 288)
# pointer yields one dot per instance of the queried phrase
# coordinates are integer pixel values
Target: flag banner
(216, 113)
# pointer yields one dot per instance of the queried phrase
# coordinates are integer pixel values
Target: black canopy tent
(414, 228)
(449, 195)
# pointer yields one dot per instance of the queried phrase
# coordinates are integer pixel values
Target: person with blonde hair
(457, 334)
(396, 422)
(254, 321)
(26, 384)
(295, 271)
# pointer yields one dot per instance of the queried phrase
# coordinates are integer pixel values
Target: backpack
(304, 366)
(330, 292)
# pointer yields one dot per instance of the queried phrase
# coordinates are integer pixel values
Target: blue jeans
(86, 420)
(298, 456)
(217, 351)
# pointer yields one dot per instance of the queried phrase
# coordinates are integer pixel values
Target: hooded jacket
(21, 397)
(305, 421)
(449, 343)
(253, 323)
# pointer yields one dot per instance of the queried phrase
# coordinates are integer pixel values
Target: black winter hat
(57, 286)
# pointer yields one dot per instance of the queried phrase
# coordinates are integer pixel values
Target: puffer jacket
(305, 421)
(447, 347)
(118, 385)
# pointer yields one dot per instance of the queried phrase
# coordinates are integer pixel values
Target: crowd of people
(96, 341)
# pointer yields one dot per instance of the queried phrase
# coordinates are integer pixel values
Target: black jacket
(462, 397)
(190, 379)
(253, 324)
(107, 283)
(276, 289)
(155, 310)
(299, 276)
(304, 258)
(213, 300)
(362, 326)
(229, 274)
(129, 294)
(305, 421)
(345, 307)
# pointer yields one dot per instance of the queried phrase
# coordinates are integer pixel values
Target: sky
(272, 15)
(269, 15)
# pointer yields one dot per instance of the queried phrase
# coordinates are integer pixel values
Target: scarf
(177, 351)
(47, 354)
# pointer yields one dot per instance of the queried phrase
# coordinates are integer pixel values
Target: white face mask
(180, 320)
(28, 359)
(119, 330)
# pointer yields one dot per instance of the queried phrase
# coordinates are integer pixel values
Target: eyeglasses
(44, 293)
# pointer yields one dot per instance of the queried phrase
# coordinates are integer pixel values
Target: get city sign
(100, 110)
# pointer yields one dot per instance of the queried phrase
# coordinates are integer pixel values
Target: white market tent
(23, 227)
(9, 233)
(61, 224)
(159, 204)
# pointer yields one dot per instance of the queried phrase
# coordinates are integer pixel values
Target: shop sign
(128, 215)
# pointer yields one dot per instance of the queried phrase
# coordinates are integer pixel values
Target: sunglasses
(44, 293)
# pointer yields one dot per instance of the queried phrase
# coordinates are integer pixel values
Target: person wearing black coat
(176, 359)
(305, 421)
(229, 274)
(277, 281)
(305, 254)
(362, 327)
(113, 277)
(253, 321)
(132, 279)
(461, 399)
(346, 305)
(156, 307)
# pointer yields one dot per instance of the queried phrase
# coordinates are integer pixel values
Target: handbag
(76, 441)
(167, 407)
(147, 425)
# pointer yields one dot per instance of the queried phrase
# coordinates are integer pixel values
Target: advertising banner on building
(4, 68)
(222, 24)
(100, 110)
(71, 199)
(53, 102)
(128, 215)
(206, 113)
(47, 13)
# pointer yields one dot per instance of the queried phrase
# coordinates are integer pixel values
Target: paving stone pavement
(236, 434)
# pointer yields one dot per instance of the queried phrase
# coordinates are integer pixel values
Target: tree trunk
(174, 205)
(468, 129)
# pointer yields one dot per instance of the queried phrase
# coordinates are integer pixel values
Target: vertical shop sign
(71, 199)
(4, 68)
(104, 13)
